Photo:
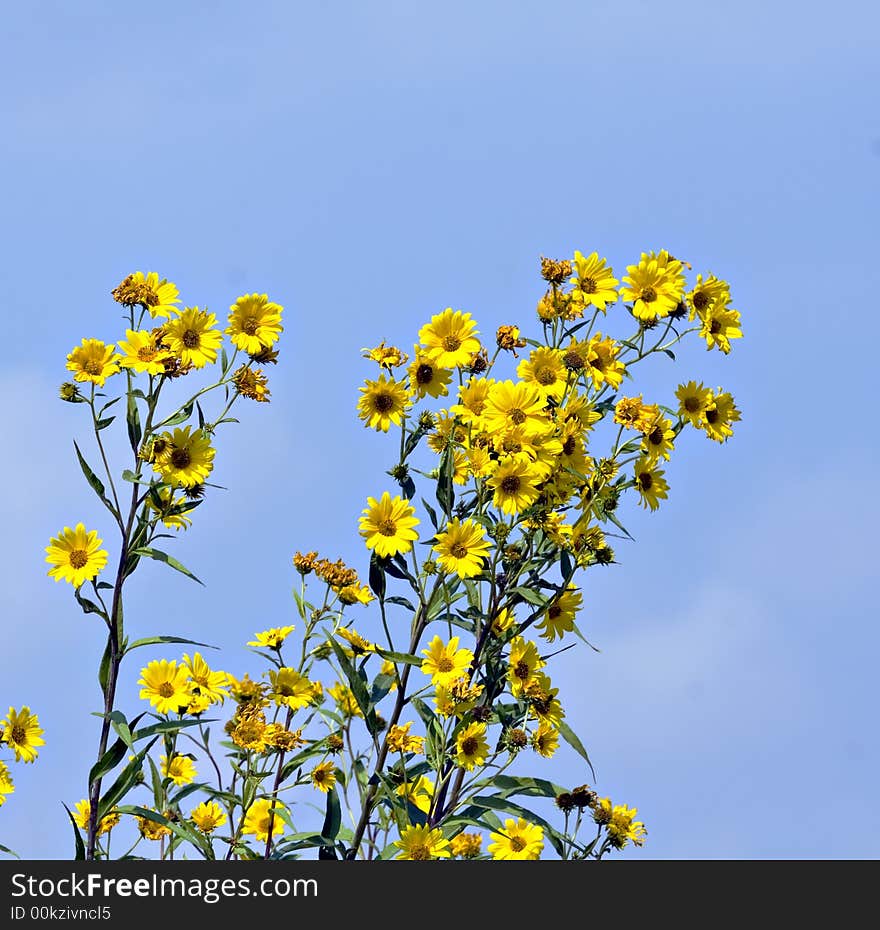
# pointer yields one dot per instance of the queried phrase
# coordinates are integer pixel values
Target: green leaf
(401, 602)
(511, 807)
(432, 514)
(158, 640)
(133, 420)
(10, 852)
(126, 780)
(166, 726)
(129, 475)
(405, 657)
(111, 758)
(532, 596)
(94, 481)
(180, 829)
(160, 556)
(570, 737)
(77, 839)
(333, 816)
(377, 577)
(358, 688)
(104, 423)
(445, 492)
(104, 669)
(176, 419)
(521, 784)
(88, 607)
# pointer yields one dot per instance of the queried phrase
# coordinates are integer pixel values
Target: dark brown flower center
(545, 376)
(573, 360)
(469, 745)
(701, 300)
(715, 327)
(569, 446)
(510, 484)
(517, 844)
(445, 664)
(648, 295)
(388, 527)
(180, 458)
(691, 404)
(191, 339)
(166, 689)
(383, 402)
(587, 285)
(19, 734)
(78, 558)
(516, 416)
(712, 416)
(249, 327)
(93, 367)
(451, 343)
(424, 374)
(521, 670)
(147, 353)
(459, 551)
(655, 437)
(646, 480)
(420, 852)
(554, 611)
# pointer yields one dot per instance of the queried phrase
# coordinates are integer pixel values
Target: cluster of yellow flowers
(20, 732)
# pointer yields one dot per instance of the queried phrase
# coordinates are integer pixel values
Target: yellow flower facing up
(720, 325)
(22, 733)
(181, 769)
(144, 352)
(545, 740)
(462, 548)
(208, 816)
(650, 483)
(323, 776)
(693, 401)
(290, 688)
(450, 338)
(211, 685)
(93, 361)
(718, 416)
(355, 594)
(466, 845)
(418, 791)
(345, 700)
(619, 820)
(519, 840)
(272, 638)
(471, 747)
(387, 525)
(524, 662)
(82, 812)
(254, 323)
(634, 413)
(192, 338)
(602, 364)
(165, 685)
(158, 296)
(543, 701)
(706, 294)
(515, 483)
(359, 645)
(383, 402)
(658, 441)
(593, 283)
(76, 555)
(426, 377)
(187, 458)
(445, 662)
(399, 739)
(544, 370)
(654, 286)
(422, 843)
(558, 619)
(261, 814)
(512, 405)
(472, 399)
(6, 785)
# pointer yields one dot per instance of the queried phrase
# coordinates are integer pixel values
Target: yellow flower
(650, 483)
(719, 414)
(445, 662)
(419, 792)
(260, 814)
(22, 733)
(467, 845)
(655, 285)
(188, 458)
(93, 361)
(426, 377)
(208, 816)
(387, 525)
(422, 843)
(400, 740)
(543, 702)
(165, 685)
(720, 325)
(545, 740)
(323, 776)
(515, 404)
(503, 621)
(180, 769)
(544, 370)
(383, 402)
(658, 439)
(523, 663)
(514, 483)
(693, 400)
(152, 829)
(359, 645)
(706, 294)
(211, 684)
(6, 785)
(457, 698)
(254, 323)
(355, 594)
(559, 616)
(144, 352)
(170, 509)
(450, 338)
(519, 840)
(471, 747)
(76, 555)
(158, 296)
(191, 337)
(462, 547)
(291, 688)
(83, 812)
(620, 822)
(602, 365)
(272, 638)
(387, 357)
(252, 383)
(345, 700)
(593, 283)
(250, 730)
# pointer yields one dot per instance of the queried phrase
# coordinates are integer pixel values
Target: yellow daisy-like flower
(254, 323)
(467, 845)
(515, 483)
(188, 457)
(208, 816)
(260, 815)
(6, 785)
(511, 405)
(181, 769)
(290, 688)
(399, 739)
(212, 685)
(170, 509)
(705, 294)
(359, 645)
(82, 813)
(634, 413)
(718, 416)
(602, 364)
(93, 361)
(545, 740)
(543, 701)
(658, 441)
(387, 357)
(75, 555)
(650, 483)
(252, 383)
(472, 399)
(720, 325)
(272, 638)
(323, 776)
(544, 370)
(654, 286)
(382, 402)
(457, 698)
(519, 840)
(144, 352)
(158, 296)
(471, 747)
(250, 731)
(192, 338)
(165, 685)
(387, 525)
(593, 283)
(355, 594)
(445, 662)
(418, 791)
(462, 547)
(523, 664)
(450, 338)
(152, 829)
(426, 377)
(620, 822)
(22, 733)
(422, 843)
(503, 621)
(345, 700)
(558, 619)
(693, 400)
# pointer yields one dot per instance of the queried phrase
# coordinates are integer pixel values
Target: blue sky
(368, 165)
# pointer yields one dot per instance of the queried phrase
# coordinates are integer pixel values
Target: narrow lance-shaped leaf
(160, 556)
(133, 420)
